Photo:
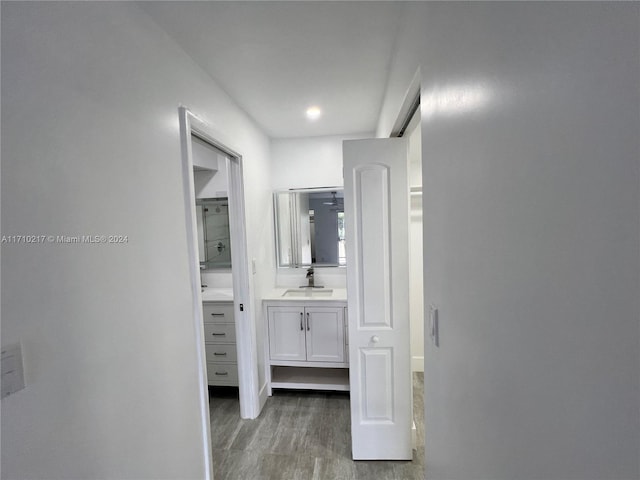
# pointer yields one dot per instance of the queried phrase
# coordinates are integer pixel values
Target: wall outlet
(12, 369)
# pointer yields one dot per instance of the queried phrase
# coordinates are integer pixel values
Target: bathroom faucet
(311, 281)
(310, 277)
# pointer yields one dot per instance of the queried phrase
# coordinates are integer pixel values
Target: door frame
(408, 115)
(190, 124)
(410, 105)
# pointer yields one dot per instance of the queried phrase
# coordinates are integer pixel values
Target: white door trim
(194, 277)
(408, 108)
(245, 327)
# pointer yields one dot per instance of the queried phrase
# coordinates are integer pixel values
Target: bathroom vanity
(220, 337)
(307, 339)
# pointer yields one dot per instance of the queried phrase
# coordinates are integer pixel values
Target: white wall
(308, 162)
(90, 145)
(204, 155)
(304, 163)
(211, 184)
(531, 155)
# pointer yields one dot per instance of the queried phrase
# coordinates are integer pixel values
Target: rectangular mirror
(212, 215)
(310, 227)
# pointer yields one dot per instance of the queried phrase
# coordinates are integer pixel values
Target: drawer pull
(217, 354)
(219, 334)
(217, 314)
(222, 374)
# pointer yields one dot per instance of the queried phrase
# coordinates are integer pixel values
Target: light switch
(12, 369)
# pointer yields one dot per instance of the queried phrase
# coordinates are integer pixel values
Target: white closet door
(377, 221)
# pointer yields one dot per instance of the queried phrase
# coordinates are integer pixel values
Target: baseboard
(263, 395)
(417, 364)
(414, 435)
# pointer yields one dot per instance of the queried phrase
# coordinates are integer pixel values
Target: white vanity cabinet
(307, 347)
(312, 334)
(220, 343)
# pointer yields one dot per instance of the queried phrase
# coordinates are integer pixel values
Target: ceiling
(276, 59)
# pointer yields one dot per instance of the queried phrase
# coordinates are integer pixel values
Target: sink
(308, 292)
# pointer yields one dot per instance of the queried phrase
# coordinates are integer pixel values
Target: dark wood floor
(300, 435)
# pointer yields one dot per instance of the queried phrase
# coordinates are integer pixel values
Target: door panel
(377, 221)
(371, 191)
(377, 385)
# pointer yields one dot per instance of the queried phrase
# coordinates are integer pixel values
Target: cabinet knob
(375, 339)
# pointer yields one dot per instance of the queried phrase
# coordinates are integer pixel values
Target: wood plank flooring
(300, 435)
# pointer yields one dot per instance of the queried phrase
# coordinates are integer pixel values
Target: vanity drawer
(222, 374)
(222, 353)
(217, 312)
(220, 332)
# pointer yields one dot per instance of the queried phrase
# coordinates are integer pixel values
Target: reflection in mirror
(213, 233)
(310, 227)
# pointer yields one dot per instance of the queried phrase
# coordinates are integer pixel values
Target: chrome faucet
(311, 280)
(310, 277)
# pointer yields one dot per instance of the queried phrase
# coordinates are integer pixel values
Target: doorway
(416, 294)
(408, 125)
(192, 127)
(378, 176)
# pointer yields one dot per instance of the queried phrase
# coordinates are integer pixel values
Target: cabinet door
(287, 333)
(325, 334)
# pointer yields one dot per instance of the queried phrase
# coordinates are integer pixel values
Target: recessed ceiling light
(313, 113)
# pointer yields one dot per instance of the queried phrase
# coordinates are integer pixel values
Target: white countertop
(214, 294)
(337, 295)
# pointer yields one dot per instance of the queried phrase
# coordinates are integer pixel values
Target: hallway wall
(90, 145)
(531, 171)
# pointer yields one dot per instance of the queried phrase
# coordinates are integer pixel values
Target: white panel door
(287, 333)
(325, 334)
(377, 223)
